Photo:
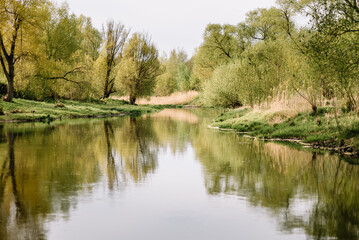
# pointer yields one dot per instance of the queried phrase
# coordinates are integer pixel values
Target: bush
(223, 89)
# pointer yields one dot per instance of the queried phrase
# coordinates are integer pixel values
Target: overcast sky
(171, 23)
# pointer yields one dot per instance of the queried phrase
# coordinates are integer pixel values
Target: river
(168, 176)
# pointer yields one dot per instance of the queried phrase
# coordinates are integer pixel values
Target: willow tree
(57, 65)
(115, 36)
(329, 45)
(16, 18)
(219, 47)
(139, 67)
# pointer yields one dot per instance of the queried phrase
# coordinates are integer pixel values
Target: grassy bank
(320, 130)
(27, 110)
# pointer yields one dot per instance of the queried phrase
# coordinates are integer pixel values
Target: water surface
(168, 176)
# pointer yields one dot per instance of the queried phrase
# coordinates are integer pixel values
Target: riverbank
(321, 131)
(21, 110)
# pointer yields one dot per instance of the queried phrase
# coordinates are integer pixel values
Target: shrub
(223, 89)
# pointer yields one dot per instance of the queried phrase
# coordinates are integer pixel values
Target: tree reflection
(310, 191)
(44, 169)
(139, 149)
(15, 220)
(111, 164)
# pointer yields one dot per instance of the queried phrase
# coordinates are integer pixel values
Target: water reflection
(139, 148)
(46, 169)
(303, 190)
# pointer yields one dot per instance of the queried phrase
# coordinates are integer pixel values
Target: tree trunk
(10, 89)
(9, 57)
(132, 100)
(107, 89)
(106, 93)
(9, 72)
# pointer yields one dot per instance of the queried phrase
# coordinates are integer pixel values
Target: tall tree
(65, 51)
(219, 47)
(15, 16)
(139, 67)
(331, 45)
(115, 36)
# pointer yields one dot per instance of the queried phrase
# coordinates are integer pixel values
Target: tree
(331, 45)
(176, 74)
(61, 57)
(91, 38)
(183, 76)
(15, 16)
(115, 36)
(264, 24)
(139, 67)
(219, 47)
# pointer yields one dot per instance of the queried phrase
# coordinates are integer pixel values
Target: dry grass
(177, 98)
(286, 103)
(282, 107)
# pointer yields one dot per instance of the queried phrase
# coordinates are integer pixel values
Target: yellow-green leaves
(139, 67)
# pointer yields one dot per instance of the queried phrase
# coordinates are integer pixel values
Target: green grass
(319, 129)
(231, 115)
(28, 110)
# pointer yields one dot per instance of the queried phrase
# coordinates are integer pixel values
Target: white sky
(172, 24)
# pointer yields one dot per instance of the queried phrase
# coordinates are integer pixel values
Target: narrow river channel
(168, 176)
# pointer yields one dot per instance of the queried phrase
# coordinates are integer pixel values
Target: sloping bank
(21, 110)
(324, 130)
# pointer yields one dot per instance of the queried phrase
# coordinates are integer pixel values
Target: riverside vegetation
(318, 130)
(270, 57)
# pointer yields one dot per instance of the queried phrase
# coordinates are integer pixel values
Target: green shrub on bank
(223, 89)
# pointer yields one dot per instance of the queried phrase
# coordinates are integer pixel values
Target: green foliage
(139, 67)
(268, 54)
(253, 72)
(249, 80)
(224, 88)
(231, 115)
(183, 77)
(177, 74)
(219, 47)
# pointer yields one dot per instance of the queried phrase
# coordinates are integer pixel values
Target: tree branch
(64, 77)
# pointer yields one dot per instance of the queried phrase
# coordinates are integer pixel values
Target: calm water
(167, 176)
